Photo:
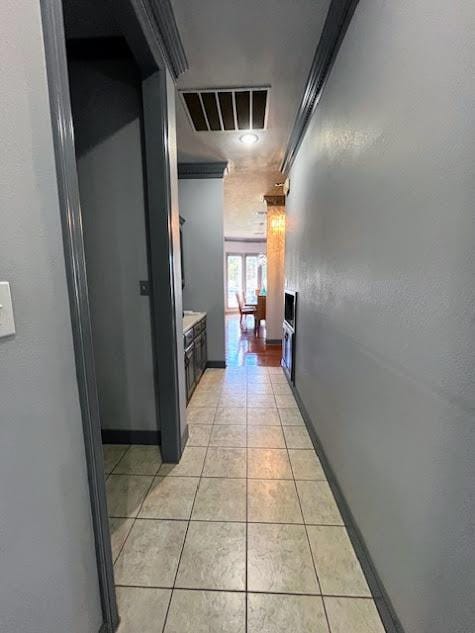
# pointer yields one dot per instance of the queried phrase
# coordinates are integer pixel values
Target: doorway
(158, 66)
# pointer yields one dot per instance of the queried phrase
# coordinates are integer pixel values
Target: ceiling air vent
(227, 109)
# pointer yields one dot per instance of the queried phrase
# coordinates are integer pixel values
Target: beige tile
(225, 462)
(268, 463)
(235, 391)
(200, 415)
(234, 400)
(355, 615)
(271, 613)
(142, 609)
(275, 371)
(260, 401)
(338, 568)
(318, 504)
(279, 559)
(151, 553)
(285, 401)
(281, 389)
(170, 498)
(273, 501)
(268, 417)
(291, 417)
(230, 415)
(306, 465)
(112, 454)
(213, 557)
(259, 388)
(228, 435)
(119, 529)
(265, 437)
(212, 387)
(139, 460)
(262, 379)
(206, 612)
(278, 379)
(204, 399)
(191, 463)
(199, 434)
(297, 437)
(125, 494)
(220, 500)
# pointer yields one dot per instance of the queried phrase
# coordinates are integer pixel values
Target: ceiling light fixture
(249, 138)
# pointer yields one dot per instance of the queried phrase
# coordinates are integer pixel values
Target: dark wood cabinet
(196, 355)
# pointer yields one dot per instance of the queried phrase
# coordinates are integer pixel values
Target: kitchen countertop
(191, 318)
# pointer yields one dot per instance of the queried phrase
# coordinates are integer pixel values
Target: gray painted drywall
(48, 578)
(381, 247)
(106, 106)
(202, 206)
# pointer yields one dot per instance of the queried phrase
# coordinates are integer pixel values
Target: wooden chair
(260, 313)
(244, 308)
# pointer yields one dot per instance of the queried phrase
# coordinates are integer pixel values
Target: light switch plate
(7, 322)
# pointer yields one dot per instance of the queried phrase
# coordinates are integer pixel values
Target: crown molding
(201, 170)
(338, 18)
(153, 20)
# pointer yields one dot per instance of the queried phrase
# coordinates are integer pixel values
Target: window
(246, 274)
(234, 279)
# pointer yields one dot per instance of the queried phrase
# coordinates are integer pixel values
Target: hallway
(244, 534)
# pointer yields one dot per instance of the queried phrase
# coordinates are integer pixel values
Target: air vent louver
(227, 109)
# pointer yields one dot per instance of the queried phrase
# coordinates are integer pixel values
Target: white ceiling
(243, 43)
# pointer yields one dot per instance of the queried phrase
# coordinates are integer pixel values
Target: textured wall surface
(107, 107)
(48, 574)
(381, 247)
(202, 206)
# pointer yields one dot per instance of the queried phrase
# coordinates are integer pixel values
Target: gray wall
(381, 247)
(106, 102)
(48, 577)
(202, 206)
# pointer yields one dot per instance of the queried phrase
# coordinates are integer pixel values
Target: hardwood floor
(244, 348)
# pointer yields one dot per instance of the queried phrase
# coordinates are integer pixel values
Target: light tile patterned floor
(244, 535)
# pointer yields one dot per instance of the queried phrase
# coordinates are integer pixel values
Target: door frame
(150, 30)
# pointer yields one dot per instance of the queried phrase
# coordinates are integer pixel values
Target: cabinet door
(189, 371)
(204, 351)
(197, 357)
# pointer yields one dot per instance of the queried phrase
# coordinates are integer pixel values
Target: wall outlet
(7, 322)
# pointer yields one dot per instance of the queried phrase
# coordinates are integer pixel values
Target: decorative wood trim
(275, 200)
(172, 45)
(196, 171)
(338, 18)
(123, 436)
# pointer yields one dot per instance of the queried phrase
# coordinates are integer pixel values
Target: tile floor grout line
(184, 541)
(143, 518)
(256, 591)
(120, 459)
(136, 516)
(308, 541)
